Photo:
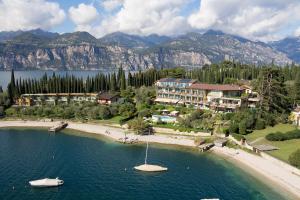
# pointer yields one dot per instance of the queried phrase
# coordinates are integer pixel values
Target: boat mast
(146, 154)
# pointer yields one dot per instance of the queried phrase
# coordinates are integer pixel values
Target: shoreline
(261, 168)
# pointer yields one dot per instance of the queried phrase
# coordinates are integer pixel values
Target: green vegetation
(198, 120)
(278, 88)
(278, 136)
(286, 148)
(261, 134)
(274, 106)
(294, 158)
(139, 126)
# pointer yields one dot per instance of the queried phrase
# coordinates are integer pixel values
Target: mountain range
(38, 49)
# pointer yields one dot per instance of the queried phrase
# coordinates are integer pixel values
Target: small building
(220, 142)
(165, 112)
(107, 98)
(295, 116)
(174, 113)
(263, 147)
(54, 98)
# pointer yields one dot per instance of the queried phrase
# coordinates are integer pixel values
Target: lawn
(255, 135)
(112, 121)
(285, 147)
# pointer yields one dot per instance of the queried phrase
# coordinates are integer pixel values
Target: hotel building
(200, 95)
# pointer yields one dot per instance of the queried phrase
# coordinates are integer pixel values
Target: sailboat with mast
(149, 168)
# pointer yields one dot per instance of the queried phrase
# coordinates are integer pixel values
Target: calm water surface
(98, 169)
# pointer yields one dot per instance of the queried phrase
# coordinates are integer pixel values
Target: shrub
(104, 112)
(226, 131)
(11, 112)
(234, 128)
(278, 136)
(243, 127)
(138, 125)
(294, 159)
(127, 110)
(260, 124)
(145, 113)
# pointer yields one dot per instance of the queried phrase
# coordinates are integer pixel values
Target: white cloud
(297, 32)
(29, 14)
(111, 5)
(146, 17)
(83, 15)
(254, 19)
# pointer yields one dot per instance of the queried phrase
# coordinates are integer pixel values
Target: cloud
(83, 15)
(111, 5)
(254, 19)
(146, 17)
(297, 32)
(29, 14)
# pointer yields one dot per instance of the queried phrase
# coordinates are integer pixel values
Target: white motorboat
(46, 182)
(209, 199)
(149, 168)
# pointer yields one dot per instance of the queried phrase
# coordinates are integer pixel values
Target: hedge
(278, 136)
(294, 158)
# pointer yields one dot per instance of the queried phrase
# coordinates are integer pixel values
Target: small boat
(46, 182)
(210, 199)
(149, 168)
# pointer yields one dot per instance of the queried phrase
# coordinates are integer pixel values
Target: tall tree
(11, 88)
(271, 89)
(297, 89)
(123, 82)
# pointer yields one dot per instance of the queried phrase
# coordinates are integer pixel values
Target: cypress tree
(297, 89)
(113, 82)
(123, 82)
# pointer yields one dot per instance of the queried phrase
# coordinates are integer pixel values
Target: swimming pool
(166, 119)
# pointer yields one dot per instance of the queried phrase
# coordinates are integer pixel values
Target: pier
(58, 127)
(206, 147)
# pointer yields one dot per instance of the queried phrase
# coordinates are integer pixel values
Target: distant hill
(132, 41)
(9, 35)
(38, 49)
(290, 46)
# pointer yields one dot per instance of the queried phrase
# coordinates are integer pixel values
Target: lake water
(99, 169)
(5, 75)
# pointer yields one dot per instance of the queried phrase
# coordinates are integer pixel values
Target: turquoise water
(99, 169)
(163, 118)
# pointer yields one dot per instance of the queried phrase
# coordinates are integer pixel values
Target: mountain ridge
(38, 49)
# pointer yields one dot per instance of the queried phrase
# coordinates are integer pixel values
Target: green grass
(262, 133)
(113, 120)
(285, 147)
(171, 126)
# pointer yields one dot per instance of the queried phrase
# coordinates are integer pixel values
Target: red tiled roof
(205, 86)
(107, 96)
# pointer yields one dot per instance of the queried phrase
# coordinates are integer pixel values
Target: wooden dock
(206, 147)
(58, 127)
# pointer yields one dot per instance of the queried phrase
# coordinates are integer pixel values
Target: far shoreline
(228, 154)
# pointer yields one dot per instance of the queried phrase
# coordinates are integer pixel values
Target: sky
(264, 20)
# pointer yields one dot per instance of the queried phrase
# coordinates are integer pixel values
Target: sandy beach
(287, 178)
